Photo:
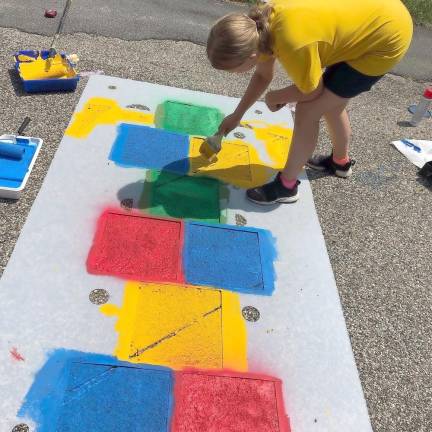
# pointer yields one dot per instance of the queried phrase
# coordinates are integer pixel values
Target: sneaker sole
(289, 200)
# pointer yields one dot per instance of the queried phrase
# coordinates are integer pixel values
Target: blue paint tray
(49, 84)
(15, 173)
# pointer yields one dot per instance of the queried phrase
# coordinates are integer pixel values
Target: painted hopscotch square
(77, 391)
(233, 161)
(146, 147)
(226, 401)
(132, 246)
(188, 118)
(202, 328)
(183, 197)
(112, 398)
(224, 256)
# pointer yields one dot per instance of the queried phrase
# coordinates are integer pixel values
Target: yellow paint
(276, 139)
(39, 68)
(103, 111)
(180, 326)
(238, 162)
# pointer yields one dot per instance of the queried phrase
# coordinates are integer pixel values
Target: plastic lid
(428, 93)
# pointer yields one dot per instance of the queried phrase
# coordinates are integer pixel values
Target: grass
(421, 10)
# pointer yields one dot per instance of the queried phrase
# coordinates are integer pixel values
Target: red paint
(132, 246)
(16, 355)
(228, 401)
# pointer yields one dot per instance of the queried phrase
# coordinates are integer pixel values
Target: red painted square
(136, 247)
(225, 402)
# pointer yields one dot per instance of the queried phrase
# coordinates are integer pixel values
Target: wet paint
(181, 196)
(230, 257)
(39, 69)
(103, 111)
(200, 327)
(145, 147)
(91, 392)
(188, 118)
(131, 246)
(226, 401)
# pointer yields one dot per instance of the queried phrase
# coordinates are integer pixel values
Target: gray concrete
(418, 61)
(128, 20)
(186, 20)
(377, 225)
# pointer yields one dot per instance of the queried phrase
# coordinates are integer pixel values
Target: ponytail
(235, 37)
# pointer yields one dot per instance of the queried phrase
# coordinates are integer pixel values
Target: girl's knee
(307, 112)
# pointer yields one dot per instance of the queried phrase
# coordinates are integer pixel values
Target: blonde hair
(235, 37)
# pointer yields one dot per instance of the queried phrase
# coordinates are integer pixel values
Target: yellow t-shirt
(308, 35)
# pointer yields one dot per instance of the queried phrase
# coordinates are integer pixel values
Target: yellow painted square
(233, 161)
(180, 327)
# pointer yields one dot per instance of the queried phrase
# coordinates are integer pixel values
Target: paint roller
(52, 51)
(11, 151)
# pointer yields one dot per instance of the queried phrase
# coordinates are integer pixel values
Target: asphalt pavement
(377, 225)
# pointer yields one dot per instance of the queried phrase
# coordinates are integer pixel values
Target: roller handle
(24, 125)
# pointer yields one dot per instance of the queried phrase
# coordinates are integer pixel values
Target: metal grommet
(99, 296)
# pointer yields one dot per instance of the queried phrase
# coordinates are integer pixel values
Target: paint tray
(48, 84)
(15, 173)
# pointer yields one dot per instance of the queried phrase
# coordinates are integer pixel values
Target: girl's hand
(273, 102)
(229, 123)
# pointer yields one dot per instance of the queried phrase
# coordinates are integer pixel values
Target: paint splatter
(16, 355)
(200, 327)
(224, 401)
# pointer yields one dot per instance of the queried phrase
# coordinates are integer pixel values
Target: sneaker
(273, 192)
(326, 163)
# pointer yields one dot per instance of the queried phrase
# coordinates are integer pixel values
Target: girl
(356, 41)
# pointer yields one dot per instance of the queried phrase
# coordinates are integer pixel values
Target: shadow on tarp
(173, 194)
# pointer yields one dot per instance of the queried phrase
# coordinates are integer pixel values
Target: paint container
(61, 76)
(15, 171)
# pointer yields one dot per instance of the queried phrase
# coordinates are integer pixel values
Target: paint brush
(211, 146)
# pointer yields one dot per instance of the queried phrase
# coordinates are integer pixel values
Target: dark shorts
(346, 82)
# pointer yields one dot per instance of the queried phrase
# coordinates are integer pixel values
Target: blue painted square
(146, 147)
(89, 392)
(234, 258)
(12, 172)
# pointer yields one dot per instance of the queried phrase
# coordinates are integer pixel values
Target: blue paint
(145, 147)
(79, 391)
(234, 258)
(11, 151)
(13, 171)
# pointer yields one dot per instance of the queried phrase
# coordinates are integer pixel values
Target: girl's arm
(277, 98)
(259, 82)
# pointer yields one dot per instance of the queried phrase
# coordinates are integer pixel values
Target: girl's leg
(339, 128)
(306, 128)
